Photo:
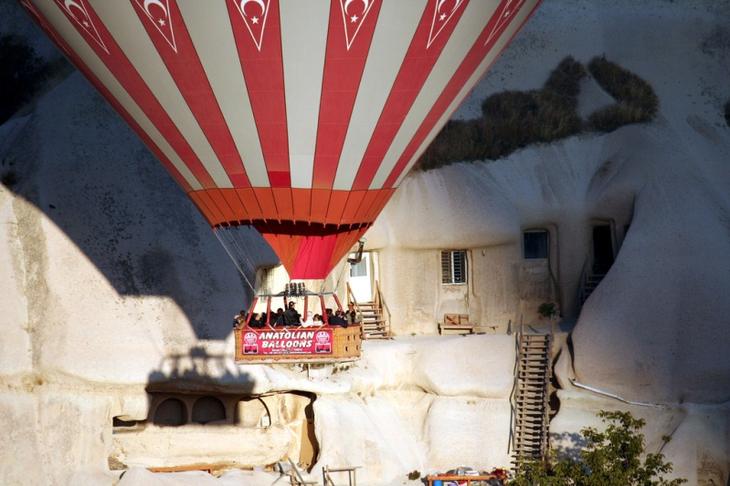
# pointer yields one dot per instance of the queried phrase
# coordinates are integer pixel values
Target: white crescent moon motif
(149, 3)
(73, 3)
(260, 3)
(442, 2)
(365, 4)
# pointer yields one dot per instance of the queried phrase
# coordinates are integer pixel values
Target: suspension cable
(235, 261)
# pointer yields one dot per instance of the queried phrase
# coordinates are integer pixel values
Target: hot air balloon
(296, 117)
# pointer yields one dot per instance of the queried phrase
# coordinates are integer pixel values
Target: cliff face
(656, 325)
(106, 270)
(654, 333)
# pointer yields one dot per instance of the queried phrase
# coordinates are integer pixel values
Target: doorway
(603, 255)
(361, 281)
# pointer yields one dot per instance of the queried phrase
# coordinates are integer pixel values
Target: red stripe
(466, 70)
(338, 200)
(81, 66)
(226, 212)
(414, 71)
(365, 205)
(190, 78)
(302, 202)
(343, 70)
(214, 215)
(195, 197)
(125, 73)
(239, 209)
(320, 202)
(263, 71)
(345, 242)
(249, 200)
(265, 199)
(284, 204)
(354, 198)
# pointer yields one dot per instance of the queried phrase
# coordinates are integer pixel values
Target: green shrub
(547, 309)
(515, 119)
(636, 101)
(512, 120)
(565, 79)
(21, 74)
(609, 458)
(458, 140)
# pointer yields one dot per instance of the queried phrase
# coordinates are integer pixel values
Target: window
(453, 267)
(359, 269)
(535, 244)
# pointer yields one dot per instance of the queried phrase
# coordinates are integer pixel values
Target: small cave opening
(118, 422)
(281, 417)
(309, 450)
(208, 409)
(171, 412)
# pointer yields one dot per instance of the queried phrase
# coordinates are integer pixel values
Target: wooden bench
(456, 324)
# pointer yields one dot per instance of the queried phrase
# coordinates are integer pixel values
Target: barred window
(453, 267)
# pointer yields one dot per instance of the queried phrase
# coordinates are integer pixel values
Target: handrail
(352, 300)
(513, 394)
(297, 477)
(351, 474)
(381, 302)
(583, 282)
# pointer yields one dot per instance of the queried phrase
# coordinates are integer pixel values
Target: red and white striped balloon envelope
(297, 117)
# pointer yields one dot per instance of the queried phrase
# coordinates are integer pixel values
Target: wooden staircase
(374, 314)
(530, 407)
(589, 284)
(374, 325)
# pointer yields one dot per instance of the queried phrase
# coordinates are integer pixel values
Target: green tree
(610, 458)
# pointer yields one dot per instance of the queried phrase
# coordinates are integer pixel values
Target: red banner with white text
(289, 341)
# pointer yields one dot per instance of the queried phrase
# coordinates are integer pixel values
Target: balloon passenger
(291, 316)
(279, 317)
(351, 315)
(257, 321)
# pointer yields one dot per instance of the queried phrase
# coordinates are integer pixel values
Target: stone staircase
(530, 407)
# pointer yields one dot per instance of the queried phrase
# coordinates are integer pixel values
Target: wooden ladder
(530, 398)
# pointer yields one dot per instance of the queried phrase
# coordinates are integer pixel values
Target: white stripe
(472, 22)
(478, 73)
(120, 19)
(210, 29)
(303, 43)
(79, 46)
(397, 22)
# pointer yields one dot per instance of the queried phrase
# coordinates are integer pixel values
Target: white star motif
(442, 17)
(161, 22)
(254, 20)
(354, 18)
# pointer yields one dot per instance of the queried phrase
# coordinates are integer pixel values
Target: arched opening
(171, 412)
(253, 412)
(208, 409)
